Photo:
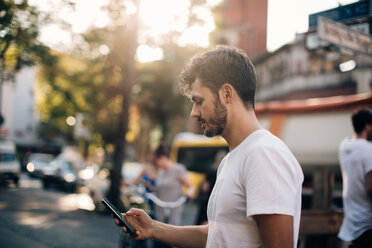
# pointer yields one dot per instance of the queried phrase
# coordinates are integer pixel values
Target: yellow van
(198, 153)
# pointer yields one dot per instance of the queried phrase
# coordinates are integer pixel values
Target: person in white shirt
(256, 200)
(355, 155)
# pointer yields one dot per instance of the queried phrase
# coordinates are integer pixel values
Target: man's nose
(194, 111)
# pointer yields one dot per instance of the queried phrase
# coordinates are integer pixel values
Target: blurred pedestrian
(256, 200)
(171, 179)
(355, 156)
(148, 178)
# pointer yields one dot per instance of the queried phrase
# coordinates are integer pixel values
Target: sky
(288, 17)
(285, 19)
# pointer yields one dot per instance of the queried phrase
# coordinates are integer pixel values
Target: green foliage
(158, 93)
(98, 79)
(62, 90)
(86, 81)
(98, 83)
(19, 29)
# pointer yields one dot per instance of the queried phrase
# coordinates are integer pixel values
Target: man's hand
(141, 221)
(179, 236)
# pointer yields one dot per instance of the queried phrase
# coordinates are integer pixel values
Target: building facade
(244, 24)
(295, 72)
(312, 67)
(18, 108)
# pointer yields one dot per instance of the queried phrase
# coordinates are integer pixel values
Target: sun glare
(148, 54)
(163, 16)
(157, 19)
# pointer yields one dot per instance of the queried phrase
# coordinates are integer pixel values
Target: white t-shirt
(356, 161)
(260, 176)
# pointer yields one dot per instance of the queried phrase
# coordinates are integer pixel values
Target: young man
(256, 200)
(356, 165)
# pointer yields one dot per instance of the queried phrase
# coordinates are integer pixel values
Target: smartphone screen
(118, 215)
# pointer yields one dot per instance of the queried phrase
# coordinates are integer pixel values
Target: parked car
(62, 174)
(10, 168)
(37, 162)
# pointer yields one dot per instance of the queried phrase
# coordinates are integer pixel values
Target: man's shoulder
(264, 139)
(270, 147)
(360, 143)
(266, 147)
(367, 147)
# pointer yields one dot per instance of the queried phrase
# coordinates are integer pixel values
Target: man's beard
(217, 123)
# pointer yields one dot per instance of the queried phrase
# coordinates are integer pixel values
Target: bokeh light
(71, 121)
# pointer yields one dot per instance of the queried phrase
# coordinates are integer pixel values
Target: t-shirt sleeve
(368, 159)
(270, 181)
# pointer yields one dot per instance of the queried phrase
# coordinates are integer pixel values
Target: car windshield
(198, 159)
(45, 158)
(66, 166)
(54, 165)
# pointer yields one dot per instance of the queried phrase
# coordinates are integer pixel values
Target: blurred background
(88, 88)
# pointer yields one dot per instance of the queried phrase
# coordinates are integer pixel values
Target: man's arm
(369, 185)
(180, 236)
(276, 230)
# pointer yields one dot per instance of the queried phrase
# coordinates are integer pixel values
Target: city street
(33, 217)
(159, 105)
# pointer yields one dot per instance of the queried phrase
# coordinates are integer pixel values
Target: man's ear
(226, 93)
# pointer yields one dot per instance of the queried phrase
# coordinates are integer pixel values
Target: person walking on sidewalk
(256, 200)
(355, 156)
(172, 177)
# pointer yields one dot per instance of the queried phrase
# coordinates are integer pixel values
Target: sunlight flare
(148, 54)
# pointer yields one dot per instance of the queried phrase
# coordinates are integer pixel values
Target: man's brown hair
(221, 65)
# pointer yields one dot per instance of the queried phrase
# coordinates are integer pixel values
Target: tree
(105, 85)
(123, 55)
(158, 96)
(63, 89)
(95, 79)
(19, 46)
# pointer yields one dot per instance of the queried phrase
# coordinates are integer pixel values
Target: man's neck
(362, 135)
(239, 126)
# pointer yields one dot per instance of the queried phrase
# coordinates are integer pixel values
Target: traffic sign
(343, 13)
(344, 36)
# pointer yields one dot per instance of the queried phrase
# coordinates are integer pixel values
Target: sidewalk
(32, 218)
(74, 229)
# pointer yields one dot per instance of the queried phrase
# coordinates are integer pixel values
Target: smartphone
(119, 216)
